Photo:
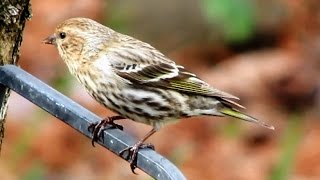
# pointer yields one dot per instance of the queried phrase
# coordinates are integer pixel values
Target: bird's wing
(170, 76)
(141, 64)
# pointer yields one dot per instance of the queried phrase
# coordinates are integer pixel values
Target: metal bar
(79, 118)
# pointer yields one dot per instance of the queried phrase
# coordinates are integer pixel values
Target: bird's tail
(237, 114)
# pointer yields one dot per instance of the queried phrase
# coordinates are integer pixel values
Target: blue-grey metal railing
(79, 118)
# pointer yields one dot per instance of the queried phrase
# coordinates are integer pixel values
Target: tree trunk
(13, 15)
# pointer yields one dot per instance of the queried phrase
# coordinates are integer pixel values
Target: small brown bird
(135, 80)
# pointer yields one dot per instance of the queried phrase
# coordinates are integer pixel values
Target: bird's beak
(50, 40)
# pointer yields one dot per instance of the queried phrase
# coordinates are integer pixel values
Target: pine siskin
(135, 80)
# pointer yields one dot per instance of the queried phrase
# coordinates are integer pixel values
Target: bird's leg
(133, 150)
(97, 128)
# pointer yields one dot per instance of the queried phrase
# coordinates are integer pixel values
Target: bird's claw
(97, 128)
(132, 155)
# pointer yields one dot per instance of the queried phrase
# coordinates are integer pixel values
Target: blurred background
(264, 51)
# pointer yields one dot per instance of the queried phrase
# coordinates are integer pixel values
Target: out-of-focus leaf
(37, 172)
(231, 130)
(289, 143)
(235, 18)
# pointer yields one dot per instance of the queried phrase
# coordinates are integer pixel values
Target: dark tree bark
(13, 15)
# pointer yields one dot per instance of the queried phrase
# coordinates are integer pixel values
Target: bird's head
(78, 35)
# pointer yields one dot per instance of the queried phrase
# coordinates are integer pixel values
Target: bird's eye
(62, 35)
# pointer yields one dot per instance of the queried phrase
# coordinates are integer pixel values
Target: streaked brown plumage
(135, 80)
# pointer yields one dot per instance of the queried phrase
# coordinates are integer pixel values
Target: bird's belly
(147, 106)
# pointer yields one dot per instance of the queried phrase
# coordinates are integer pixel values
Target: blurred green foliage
(232, 129)
(117, 18)
(234, 18)
(62, 82)
(22, 146)
(290, 142)
(36, 172)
